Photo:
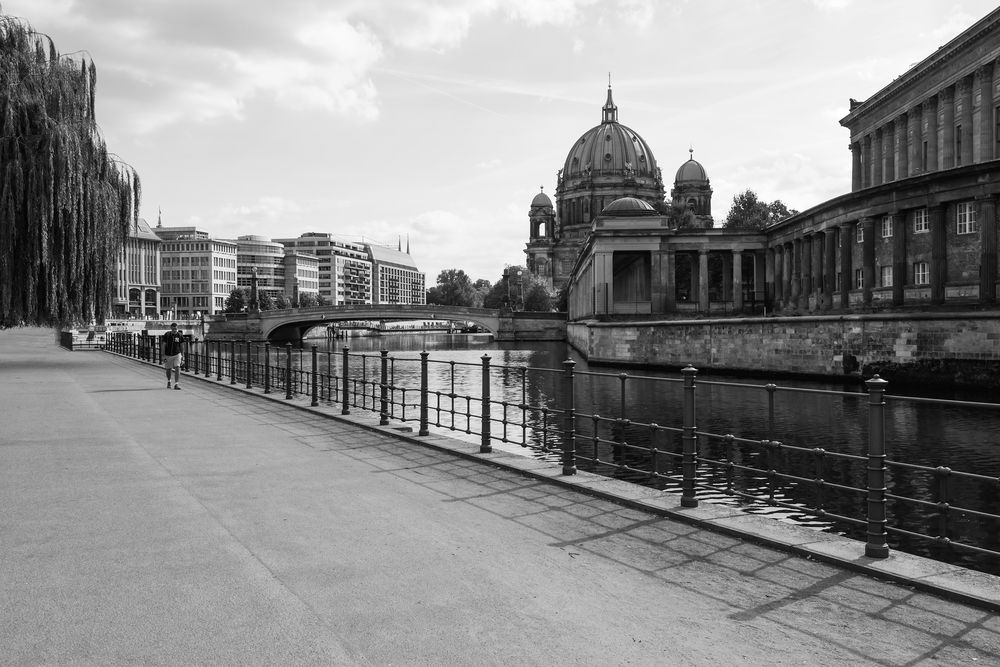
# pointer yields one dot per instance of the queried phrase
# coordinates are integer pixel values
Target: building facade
(197, 272)
(137, 275)
(397, 279)
(263, 257)
(345, 272)
(301, 274)
(918, 229)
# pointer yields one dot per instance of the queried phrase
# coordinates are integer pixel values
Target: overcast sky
(439, 120)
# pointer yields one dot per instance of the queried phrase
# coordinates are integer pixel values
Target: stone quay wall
(943, 348)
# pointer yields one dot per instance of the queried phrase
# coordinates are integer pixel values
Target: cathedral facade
(608, 162)
(917, 230)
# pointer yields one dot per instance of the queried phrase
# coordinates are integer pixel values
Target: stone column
(670, 281)
(846, 240)
(816, 283)
(868, 259)
(856, 181)
(878, 156)
(931, 114)
(889, 147)
(703, 304)
(939, 252)
(948, 128)
(902, 156)
(965, 120)
(899, 273)
(770, 296)
(779, 278)
(986, 216)
(798, 288)
(759, 276)
(913, 132)
(829, 270)
(984, 144)
(788, 274)
(805, 253)
(727, 276)
(866, 152)
(737, 278)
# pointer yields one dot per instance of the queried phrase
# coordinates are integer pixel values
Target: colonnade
(934, 133)
(825, 269)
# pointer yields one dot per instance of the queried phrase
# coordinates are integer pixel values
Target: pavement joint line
(951, 582)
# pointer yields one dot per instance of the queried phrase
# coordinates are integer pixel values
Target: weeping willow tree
(66, 203)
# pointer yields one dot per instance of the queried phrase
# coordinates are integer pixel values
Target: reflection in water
(526, 385)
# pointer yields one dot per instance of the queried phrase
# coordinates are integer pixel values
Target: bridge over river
(291, 324)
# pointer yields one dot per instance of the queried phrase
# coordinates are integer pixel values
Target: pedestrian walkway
(215, 526)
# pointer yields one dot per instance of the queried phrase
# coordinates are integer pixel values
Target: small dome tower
(692, 191)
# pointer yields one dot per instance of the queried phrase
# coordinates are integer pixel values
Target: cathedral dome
(541, 200)
(628, 206)
(610, 149)
(691, 172)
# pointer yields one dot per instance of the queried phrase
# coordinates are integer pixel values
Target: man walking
(173, 342)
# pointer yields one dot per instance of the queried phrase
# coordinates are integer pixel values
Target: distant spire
(399, 244)
(159, 218)
(610, 110)
(691, 151)
(541, 188)
(407, 244)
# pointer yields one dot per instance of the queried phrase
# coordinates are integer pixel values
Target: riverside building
(198, 272)
(137, 274)
(397, 279)
(344, 269)
(917, 230)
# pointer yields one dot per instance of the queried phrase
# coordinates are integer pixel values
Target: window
(859, 279)
(886, 273)
(920, 221)
(859, 233)
(921, 275)
(886, 226)
(966, 216)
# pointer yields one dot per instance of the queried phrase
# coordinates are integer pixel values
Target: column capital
(984, 70)
(948, 94)
(931, 101)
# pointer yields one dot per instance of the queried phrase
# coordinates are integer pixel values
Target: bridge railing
(861, 491)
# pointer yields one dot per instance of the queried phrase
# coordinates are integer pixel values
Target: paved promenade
(211, 526)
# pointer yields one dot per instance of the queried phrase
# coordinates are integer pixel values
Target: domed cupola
(692, 191)
(628, 207)
(542, 218)
(609, 161)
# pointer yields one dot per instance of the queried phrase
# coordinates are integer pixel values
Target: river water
(830, 416)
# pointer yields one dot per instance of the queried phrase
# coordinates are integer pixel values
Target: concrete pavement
(214, 526)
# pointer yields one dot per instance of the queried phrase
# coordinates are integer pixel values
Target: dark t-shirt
(172, 341)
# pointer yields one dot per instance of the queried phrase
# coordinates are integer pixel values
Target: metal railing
(859, 491)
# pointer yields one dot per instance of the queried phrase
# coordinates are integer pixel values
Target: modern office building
(397, 279)
(197, 272)
(344, 267)
(301, 274)
(263, 256)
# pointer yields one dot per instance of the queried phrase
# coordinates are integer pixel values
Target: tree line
(516, 289)
(241, 299)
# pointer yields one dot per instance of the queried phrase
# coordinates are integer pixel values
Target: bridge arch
(292, 324)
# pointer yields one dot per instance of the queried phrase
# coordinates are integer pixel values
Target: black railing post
(218, 360)
(208, 359)
(315, 378)
(249, 367)
(346, 410)
(232, 361)
(383, 416)
(267, 367)
(771, 388)
(423, 395)
(186, 354)
(689, 458)
(288, 371)
(876, 546)
(486, 446)
(569, 419)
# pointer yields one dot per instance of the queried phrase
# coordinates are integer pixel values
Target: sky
(436, 122)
